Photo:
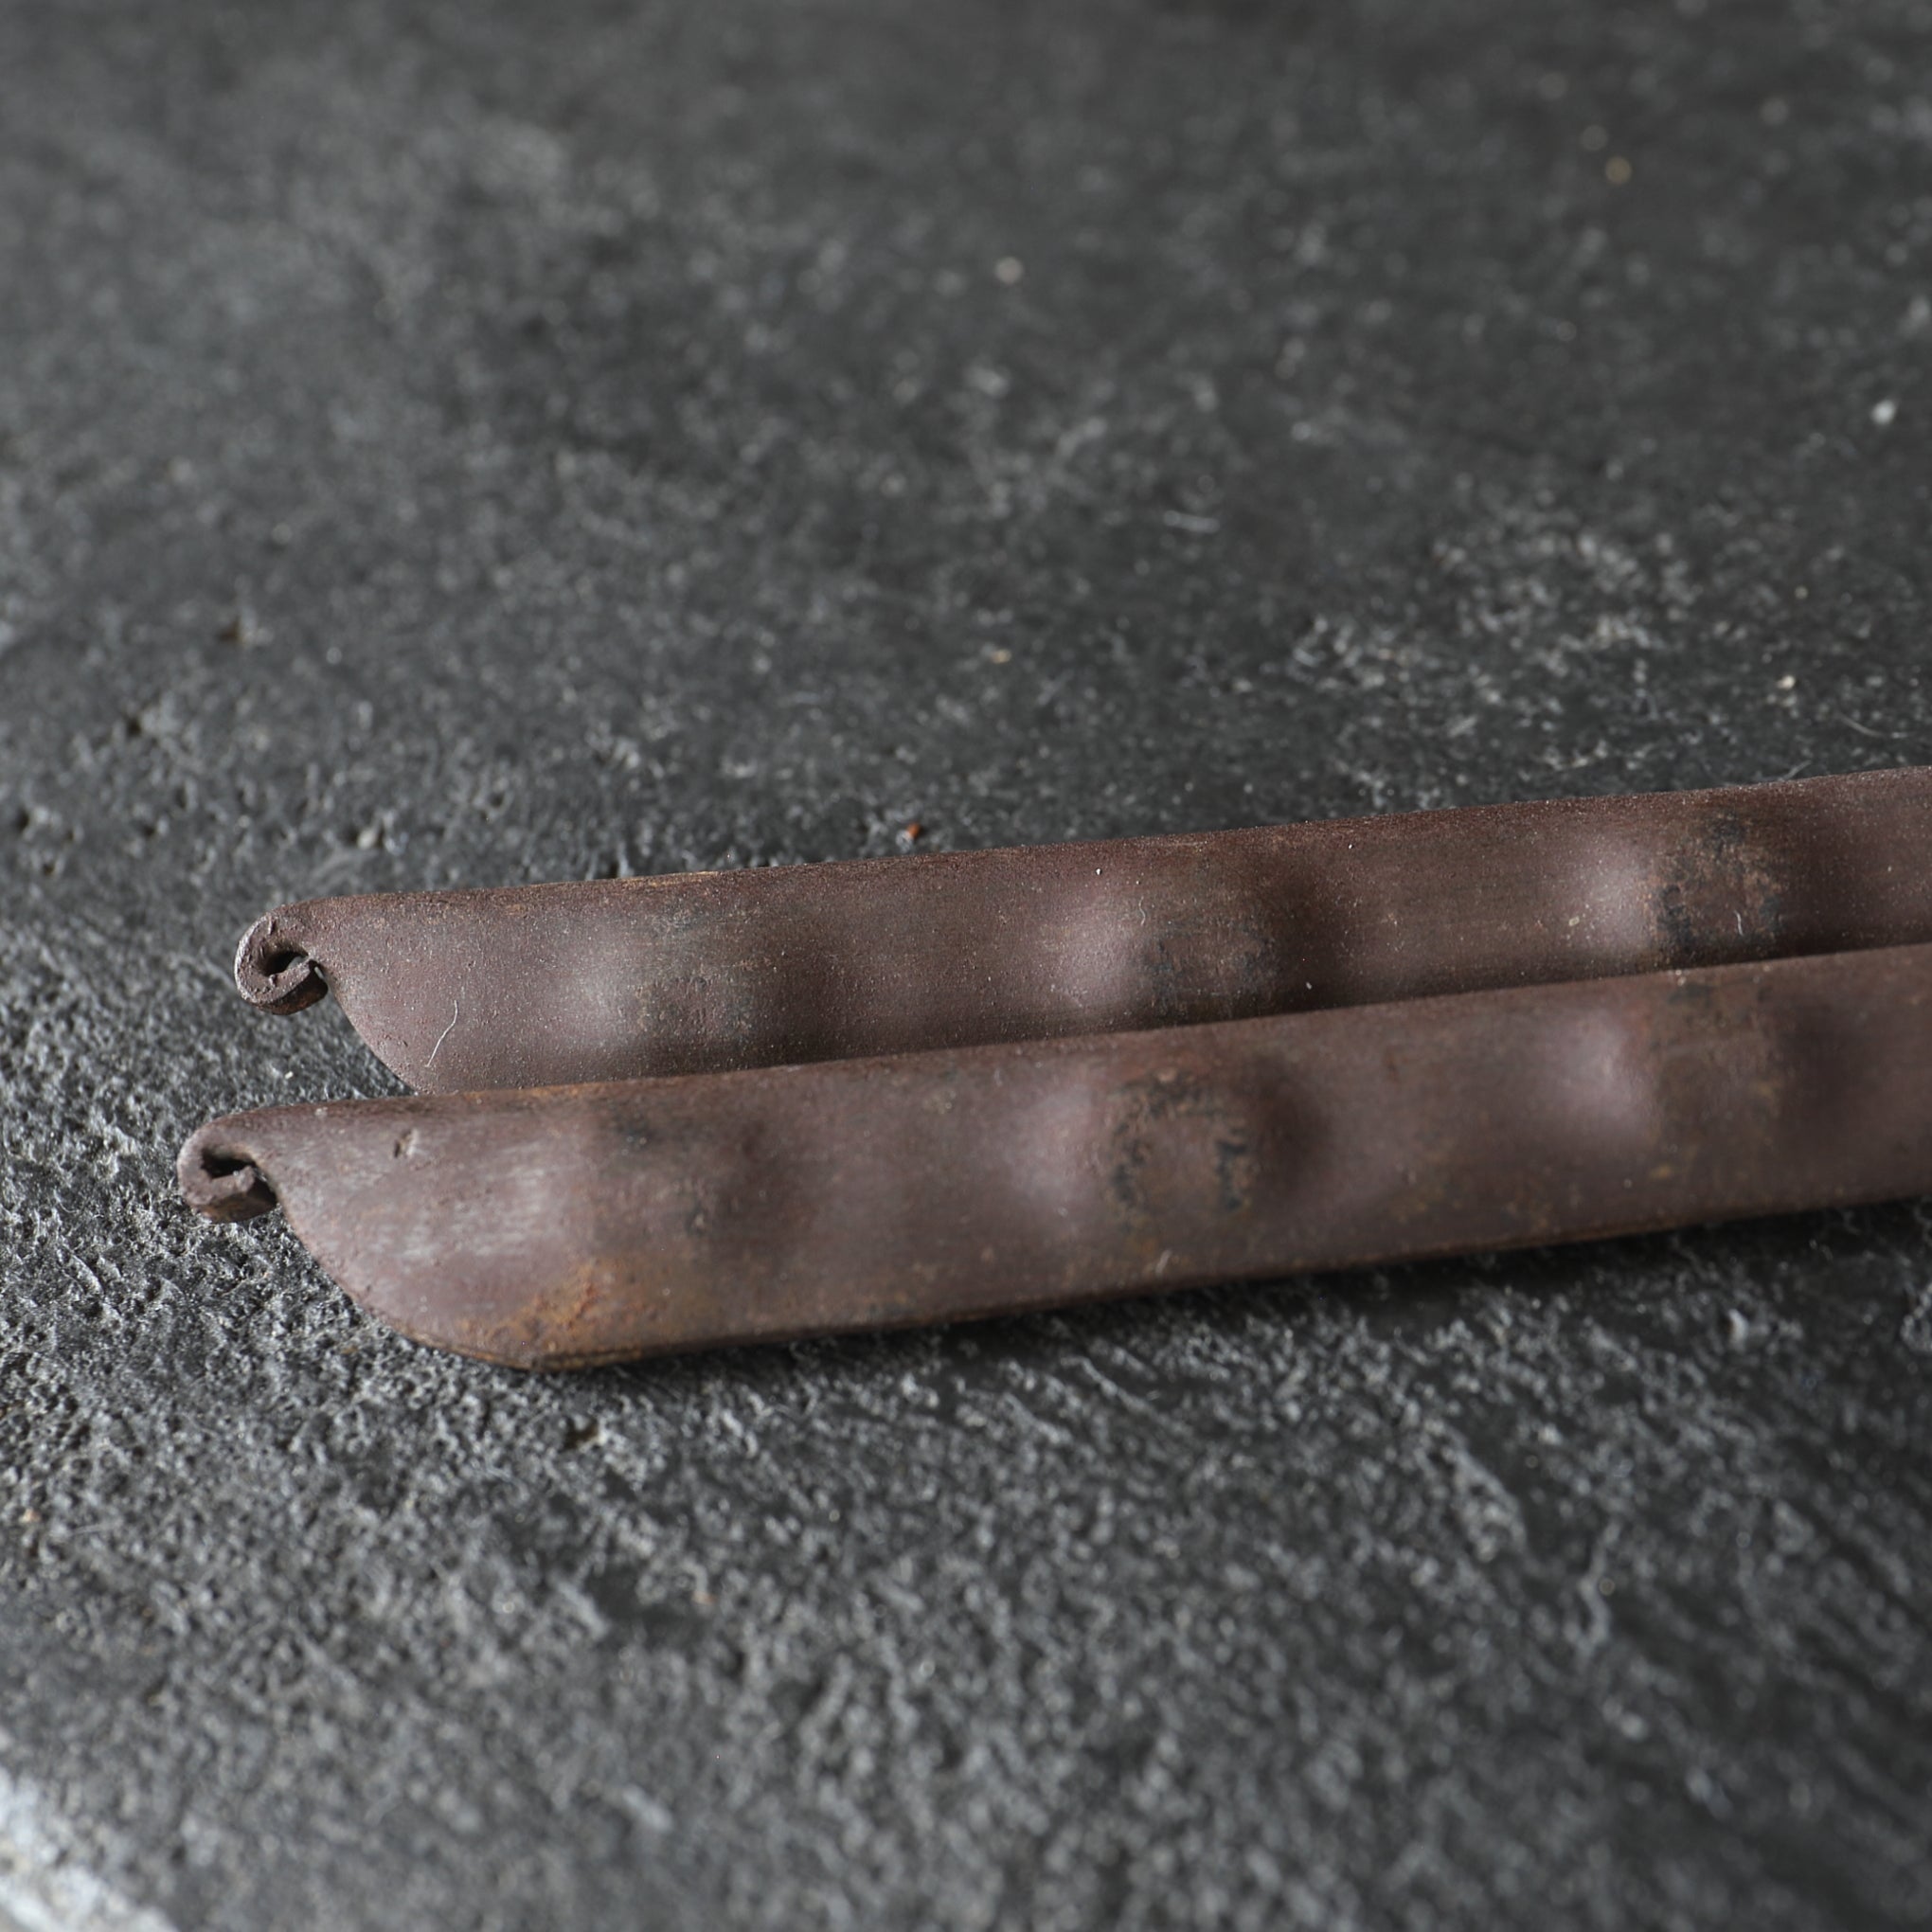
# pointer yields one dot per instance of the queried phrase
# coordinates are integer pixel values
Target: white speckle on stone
(44, 1883)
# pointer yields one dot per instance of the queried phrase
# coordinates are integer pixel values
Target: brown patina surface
(569, 1225)
(704, 972)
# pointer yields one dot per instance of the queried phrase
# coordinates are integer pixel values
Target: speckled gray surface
(472, 443)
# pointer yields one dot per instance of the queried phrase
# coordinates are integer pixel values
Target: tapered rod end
(218, 1180)
(274, 972)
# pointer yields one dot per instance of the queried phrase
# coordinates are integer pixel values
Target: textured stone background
(475, 443)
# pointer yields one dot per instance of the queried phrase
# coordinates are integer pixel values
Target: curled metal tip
(275, 973)
(221, 1181)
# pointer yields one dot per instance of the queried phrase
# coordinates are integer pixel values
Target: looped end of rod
(274, 974)
(221, 1181)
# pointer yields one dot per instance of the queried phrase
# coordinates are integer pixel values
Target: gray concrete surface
(474, 443)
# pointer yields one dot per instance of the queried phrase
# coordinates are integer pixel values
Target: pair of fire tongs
(665, 1113)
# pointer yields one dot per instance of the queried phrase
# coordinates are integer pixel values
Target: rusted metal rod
(702, 971)
(580, 1224)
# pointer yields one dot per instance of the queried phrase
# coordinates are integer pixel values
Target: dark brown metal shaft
(580, 1224)
(702, 971)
